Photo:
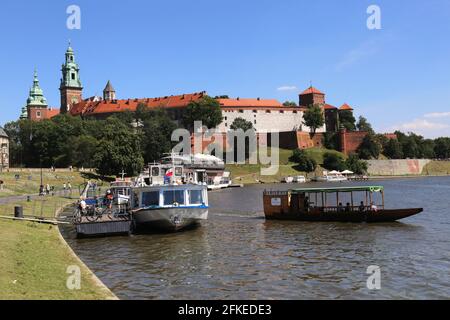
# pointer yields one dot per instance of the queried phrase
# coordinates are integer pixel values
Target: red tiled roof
(52, 113)
(346, 107)
(251, 103)
(311, 90)
(329, 107)
(88, 107)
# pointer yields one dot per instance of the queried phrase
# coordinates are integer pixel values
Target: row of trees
(405, 146)
(332, 161)
(121, 142)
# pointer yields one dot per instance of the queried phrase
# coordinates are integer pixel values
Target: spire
(70, 70)
(109, 87)
(36, 96)
(109, 93)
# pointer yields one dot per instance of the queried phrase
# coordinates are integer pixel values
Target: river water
(236, 254)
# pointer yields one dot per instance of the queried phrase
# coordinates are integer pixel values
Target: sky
(397, 76)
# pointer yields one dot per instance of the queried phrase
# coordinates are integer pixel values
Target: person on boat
(109, 199)
(82, 205)
(340, 207)
(362, 207)
(373, 207)
(348, 207)
(306, 204)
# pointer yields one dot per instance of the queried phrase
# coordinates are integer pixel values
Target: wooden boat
(313, 205)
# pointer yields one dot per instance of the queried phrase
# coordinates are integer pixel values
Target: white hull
(171, 219)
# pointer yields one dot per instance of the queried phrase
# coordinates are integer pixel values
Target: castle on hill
(265, 114)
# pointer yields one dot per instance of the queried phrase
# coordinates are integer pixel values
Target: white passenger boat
(333, 176)
(169, 207)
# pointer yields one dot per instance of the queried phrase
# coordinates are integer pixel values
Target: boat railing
(276, 193)
(345, 209)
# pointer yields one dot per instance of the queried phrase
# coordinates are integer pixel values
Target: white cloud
(437, 115)
(287, 88)
(425, 128)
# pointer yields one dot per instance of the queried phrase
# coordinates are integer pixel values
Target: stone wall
(396, 167)
(266, 120)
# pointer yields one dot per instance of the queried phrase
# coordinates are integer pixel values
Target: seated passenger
(362, 207)
(373, 207)
(348, 208)
(340, 207)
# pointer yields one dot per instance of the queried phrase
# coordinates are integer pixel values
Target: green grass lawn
(437, 168)
(34, 264)
(45, 207)
(30, 181)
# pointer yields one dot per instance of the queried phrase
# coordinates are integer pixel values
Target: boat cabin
(186, 196)
(324, 200)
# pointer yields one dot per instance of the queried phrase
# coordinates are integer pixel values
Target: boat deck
(105, 225)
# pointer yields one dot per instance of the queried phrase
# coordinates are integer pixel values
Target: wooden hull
(370, 217)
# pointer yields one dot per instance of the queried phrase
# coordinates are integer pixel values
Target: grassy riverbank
(251, 174)
(34, 265)
(30, 180)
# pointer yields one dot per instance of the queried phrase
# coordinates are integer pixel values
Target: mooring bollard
(18, 212)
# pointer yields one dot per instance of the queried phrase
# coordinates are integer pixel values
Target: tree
(156, 135)
(370, 147)
(81, 151)
(347, 120)
(393, 149)
(314, 118)
(119, 149)
(240, 123)
(304, 162)
(355, 164)
(333, 161)
(331, 140)
(207, 110)
(290, 104)
(364, 125)
(427, 149)
(441, 148)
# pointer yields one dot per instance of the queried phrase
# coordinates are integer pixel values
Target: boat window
(195, 197)
(155, 172)
(150, 199)
(178, 171)
(172, 197)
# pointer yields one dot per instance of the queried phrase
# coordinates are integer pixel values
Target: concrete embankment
(408, 167)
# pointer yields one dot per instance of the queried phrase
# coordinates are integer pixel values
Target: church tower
(37, 106)
(71, 88)
(109, 93)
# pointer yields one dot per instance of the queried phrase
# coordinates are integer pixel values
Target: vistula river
(236, 254)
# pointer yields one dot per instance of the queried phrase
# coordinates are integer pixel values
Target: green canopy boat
(347, 204)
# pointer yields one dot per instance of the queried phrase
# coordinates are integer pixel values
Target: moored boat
(313, 205)
(169, 207)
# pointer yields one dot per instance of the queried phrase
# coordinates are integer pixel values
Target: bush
(356, 165)
(304, 161)
(332, 161)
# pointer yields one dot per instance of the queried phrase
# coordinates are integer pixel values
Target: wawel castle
(264, 114)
